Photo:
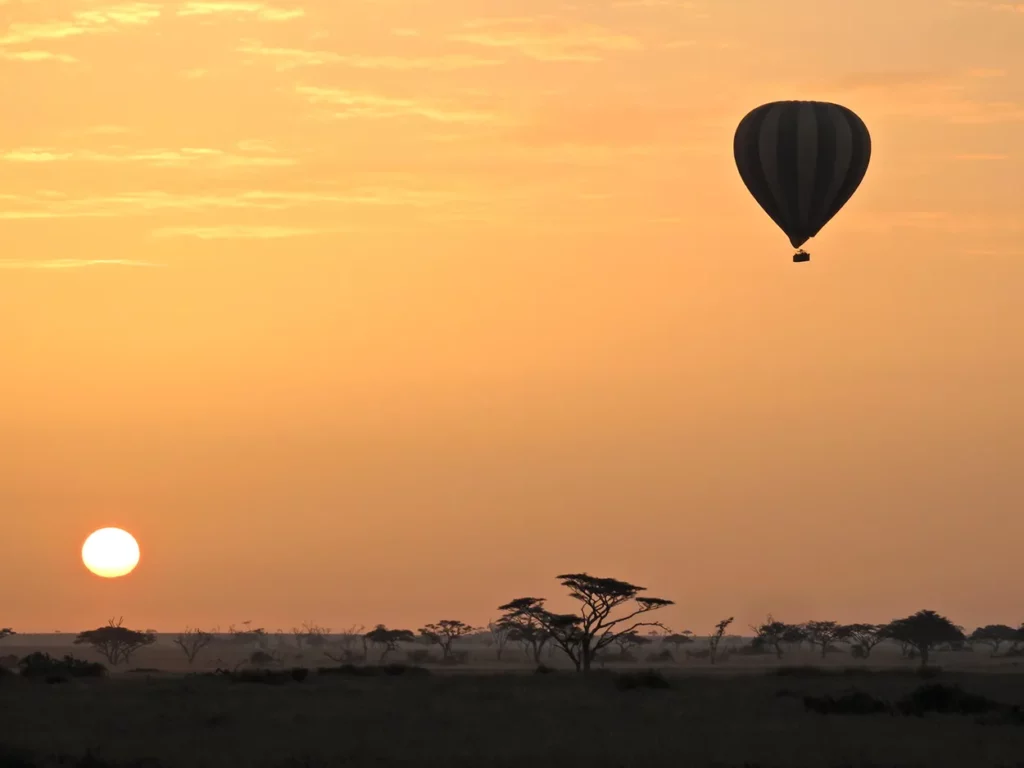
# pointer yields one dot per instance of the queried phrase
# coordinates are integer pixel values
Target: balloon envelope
(802, 161)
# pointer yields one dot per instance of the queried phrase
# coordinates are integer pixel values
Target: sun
(110, 553)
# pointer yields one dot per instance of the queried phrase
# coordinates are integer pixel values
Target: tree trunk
(924, 655)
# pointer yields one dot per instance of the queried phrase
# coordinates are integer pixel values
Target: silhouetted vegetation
(388, 639)
(716, 638)
(994, 635)
(114, 642)
(444, 634)
(524, 627)
(192, 642)
(43, 666)
(923, 631)
(581, 636)
(610, 629)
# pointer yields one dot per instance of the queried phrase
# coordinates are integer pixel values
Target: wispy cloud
(261, 11)
(33, 56)
(87, 22)
(186, 157)
(951, 222)
(547, 38)
(72, 263)
(293, 58)
(354, 104)
(56, 205)
(953, 98)
(696, 8)
(238, 233)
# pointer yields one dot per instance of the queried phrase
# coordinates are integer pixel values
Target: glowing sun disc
(110, 553)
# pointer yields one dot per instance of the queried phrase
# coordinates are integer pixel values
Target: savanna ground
(741, 713)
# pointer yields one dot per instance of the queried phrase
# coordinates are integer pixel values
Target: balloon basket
(801, 256)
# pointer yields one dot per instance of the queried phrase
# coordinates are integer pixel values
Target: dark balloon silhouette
(802, 161)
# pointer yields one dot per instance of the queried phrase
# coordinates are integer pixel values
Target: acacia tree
(444, 633)
(6, 632)
(627, 640)
(923, 631)
(524, 628)
(678, 639)
(771, 634)
(115, 642)
(715, 640)
(863, 638)
(994, 635)
(312, 634)
(192, 642)
(249, 636)
(499, 636)
(347, 642)
(826, 634)
(581, 636)
(388, 639)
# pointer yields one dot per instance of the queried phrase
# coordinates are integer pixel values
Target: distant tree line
(606, 627)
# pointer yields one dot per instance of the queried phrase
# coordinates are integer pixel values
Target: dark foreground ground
(511, 720)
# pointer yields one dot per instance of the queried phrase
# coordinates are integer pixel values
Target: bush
(853, 703)
(661, 656)
(809, 670)
(266, 677)
(946, 699)
(802, 670)
(419, 656)
(374, 670)
(39, 665)
(650, 679)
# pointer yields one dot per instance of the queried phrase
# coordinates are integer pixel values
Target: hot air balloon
(802, 161)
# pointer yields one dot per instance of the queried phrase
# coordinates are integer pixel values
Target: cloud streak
(51, 264)
(293, 58)
(88, 22)
(239, 232)
(260, 11)
(55, 205)
(546, 38)
(346, 104)
(165, 158)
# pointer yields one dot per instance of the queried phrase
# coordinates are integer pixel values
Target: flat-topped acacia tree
(116, 643)
(923, 631)
(581, 636)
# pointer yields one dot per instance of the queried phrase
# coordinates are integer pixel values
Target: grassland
(504, 715)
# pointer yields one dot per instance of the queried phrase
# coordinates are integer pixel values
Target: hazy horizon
(389, 312)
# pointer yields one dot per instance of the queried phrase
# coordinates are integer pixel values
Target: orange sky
(390, 311)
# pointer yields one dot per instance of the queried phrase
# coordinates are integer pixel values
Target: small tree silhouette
(114, 642)
(826, 634)
(716, 639)
(6, 632)
(863, 638)
(627, 640)
(499, 636)
(312, 634)
(994, 635)
(678, 639)
(772, 634)
(192, 642)
(388, 639)
(524, 627)
(923, 631)
(348, 640)
(444, 633)
(581, 636)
